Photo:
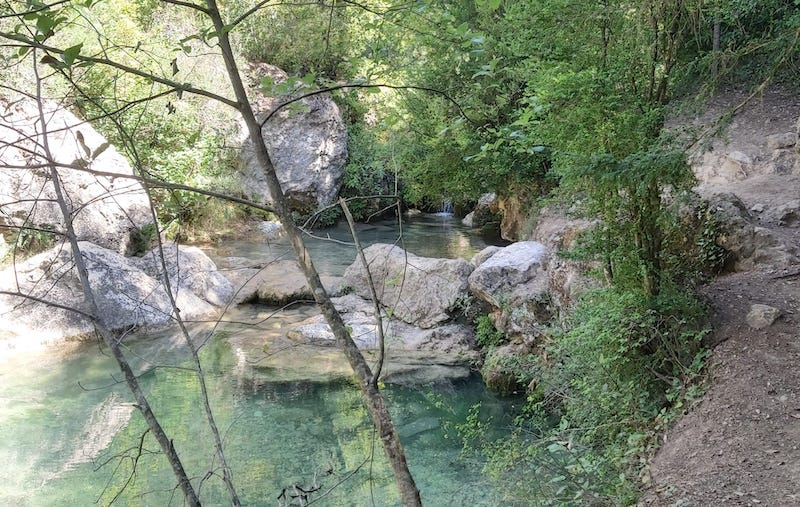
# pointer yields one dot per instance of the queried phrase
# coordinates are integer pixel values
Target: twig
(375, 302)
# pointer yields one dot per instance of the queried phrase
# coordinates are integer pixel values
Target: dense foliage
(622, 369)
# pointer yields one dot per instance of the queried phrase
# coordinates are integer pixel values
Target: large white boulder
(502, 274)
(129, 292)
(106, 210)
(421, 291)
(515, 282)
(307, 143)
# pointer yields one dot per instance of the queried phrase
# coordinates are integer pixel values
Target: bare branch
(43, 301)
(195, 7)
(105, 333)
(174, 85)
(343, 86)
(373, 293)
(381, 417)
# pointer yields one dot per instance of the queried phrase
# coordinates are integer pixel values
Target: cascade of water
(446, 208)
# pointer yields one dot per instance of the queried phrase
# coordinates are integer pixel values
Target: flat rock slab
(277, 283)
(358, 315)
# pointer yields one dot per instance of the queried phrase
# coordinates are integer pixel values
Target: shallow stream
(70, 435)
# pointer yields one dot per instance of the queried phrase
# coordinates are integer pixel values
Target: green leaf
(69, 54)
(100, 149)
(267, 84)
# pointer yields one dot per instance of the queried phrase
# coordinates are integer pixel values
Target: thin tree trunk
(715, 49)
(409, 493)
(107, 336)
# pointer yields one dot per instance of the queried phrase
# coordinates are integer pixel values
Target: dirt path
(740, 445)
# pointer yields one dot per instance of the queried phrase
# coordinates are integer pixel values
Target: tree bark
(409, 493)
(105, 333)
(715, 49)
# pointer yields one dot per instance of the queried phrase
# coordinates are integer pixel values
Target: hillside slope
(740, 445)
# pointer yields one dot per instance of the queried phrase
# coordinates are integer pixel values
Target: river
(70, 435)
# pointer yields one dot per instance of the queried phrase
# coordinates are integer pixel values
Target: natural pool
(71, 436)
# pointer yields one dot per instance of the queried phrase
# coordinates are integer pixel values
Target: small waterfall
(446, 208)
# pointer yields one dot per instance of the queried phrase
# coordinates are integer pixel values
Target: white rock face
(420, 291)
(129, 291)
(307, 145)
(106, 210)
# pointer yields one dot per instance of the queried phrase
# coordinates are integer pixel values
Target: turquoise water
(71, 435)
(53, 417)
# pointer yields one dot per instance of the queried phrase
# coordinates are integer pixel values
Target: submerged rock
(326, 364)
(277, 283)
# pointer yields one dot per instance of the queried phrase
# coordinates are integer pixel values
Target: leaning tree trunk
(409, 493)
(112, 341)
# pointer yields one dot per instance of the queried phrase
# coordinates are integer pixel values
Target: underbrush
(622, 369)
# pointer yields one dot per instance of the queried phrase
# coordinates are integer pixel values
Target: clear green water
(70, 435)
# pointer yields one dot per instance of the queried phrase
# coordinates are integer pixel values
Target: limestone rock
(569, 278)
(515, 282)
(786, 214)
(189, 268)
(514, 213)
(781, 141)
(497, 277)
(420, 291)
(107, 211)
(725, 167)
(500, 368)
(749, 243)
(484, 255)
(762, 316)
(785, 161)
(127, 296)
(271, 230)
(307, 144)
(485, 212)
(277, 283)
(358, 314)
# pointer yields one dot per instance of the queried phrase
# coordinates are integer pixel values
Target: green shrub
(486, 334)
(623, 367)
